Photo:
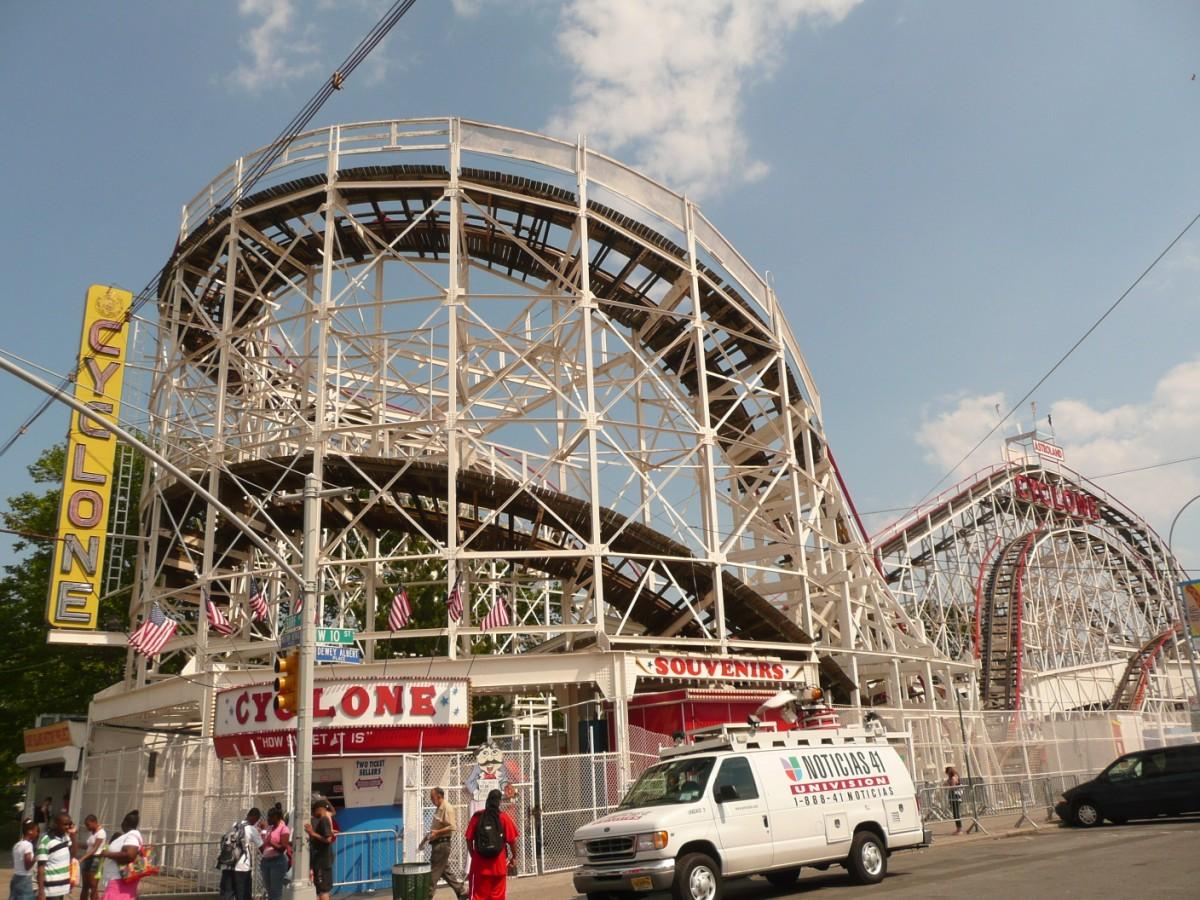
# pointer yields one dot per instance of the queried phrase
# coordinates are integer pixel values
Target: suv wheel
(868, 858)
(696, 878)
(1086, 814)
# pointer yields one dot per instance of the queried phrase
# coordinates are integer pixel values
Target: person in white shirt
(89, 863)
(121, 851)
(236, 882)
(21, 885)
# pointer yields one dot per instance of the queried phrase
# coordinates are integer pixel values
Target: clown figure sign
(488, 774)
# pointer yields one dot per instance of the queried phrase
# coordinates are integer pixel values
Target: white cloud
(665, 79)
(279, 49)
(1099, 441)
(950, 434)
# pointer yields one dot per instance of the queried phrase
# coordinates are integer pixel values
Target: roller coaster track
(1117, 541)
(1001, 627)
(504, 515)
(1135, 680)
(412, 192)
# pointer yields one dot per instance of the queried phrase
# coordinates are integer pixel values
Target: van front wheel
(696, 878)
(868, 858)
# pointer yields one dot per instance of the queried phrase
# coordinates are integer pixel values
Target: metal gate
(449, 771)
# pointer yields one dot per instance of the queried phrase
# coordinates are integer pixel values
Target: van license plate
(641, 883)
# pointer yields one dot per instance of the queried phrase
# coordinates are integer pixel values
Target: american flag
(497, 616)
(216, 619)
(152, 635)
(258, 601)
(454, 601)
(401, 611)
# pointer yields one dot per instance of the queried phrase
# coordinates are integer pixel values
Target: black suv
(1164, 781)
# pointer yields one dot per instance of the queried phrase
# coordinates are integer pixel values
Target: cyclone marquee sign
(77, 575)
(352, 716)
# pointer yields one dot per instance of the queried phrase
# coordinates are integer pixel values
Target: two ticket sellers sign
(353, 717)
(91, 449)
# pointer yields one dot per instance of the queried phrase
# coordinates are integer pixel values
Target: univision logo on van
(838, 771)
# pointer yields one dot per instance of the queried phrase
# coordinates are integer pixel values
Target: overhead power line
(250, 177)
(1062, 359)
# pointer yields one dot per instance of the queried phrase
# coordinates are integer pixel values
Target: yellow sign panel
(91, 450)
(48, 737)
(1191, 601)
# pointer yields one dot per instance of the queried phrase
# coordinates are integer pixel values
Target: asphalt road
(1155, 859)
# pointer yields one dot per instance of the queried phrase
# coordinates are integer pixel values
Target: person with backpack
(492, 838)
(234, 857)
(277, 853)
(124, 848)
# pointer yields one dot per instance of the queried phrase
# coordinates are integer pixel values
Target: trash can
(410, 881)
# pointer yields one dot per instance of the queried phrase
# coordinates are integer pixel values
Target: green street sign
(292, 623)
(335, 636)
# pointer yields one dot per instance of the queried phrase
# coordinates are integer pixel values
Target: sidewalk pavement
(558, 885)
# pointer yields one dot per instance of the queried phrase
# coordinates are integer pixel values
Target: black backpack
(489, 835)
(233, 846)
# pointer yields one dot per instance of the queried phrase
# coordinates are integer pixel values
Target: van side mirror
(726, 793)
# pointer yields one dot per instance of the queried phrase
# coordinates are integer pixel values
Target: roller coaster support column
(1183, 610)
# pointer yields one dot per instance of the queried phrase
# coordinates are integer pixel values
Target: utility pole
(300, 887)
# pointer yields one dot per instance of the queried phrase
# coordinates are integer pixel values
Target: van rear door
(742, 818)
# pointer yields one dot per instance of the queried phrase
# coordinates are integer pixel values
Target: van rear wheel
(868, 858)
(697, 877)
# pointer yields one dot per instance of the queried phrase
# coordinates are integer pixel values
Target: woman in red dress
(489, 874)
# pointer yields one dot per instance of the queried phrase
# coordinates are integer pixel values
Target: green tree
(41, 677)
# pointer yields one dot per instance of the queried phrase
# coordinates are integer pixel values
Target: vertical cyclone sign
(91, 449)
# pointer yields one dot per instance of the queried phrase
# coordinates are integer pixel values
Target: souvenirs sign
(353, 717)
(723, 668)
(91, 449)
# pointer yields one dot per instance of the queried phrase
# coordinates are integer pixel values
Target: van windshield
(677, 781)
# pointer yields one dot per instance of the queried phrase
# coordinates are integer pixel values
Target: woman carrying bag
(276, 853)
(122, 850)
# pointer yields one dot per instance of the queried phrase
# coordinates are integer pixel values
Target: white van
(753, 803)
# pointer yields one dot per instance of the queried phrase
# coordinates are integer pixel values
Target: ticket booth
(52, 762)
(362, 729)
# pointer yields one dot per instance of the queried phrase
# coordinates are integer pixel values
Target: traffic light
(287, 682)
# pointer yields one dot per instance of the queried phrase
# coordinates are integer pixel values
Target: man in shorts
(320, 847)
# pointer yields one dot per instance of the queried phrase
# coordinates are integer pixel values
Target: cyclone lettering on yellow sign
(74, 600)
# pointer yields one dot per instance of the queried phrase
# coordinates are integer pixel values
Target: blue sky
(946, 194)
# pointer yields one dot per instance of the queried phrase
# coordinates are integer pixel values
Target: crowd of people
(51, 858)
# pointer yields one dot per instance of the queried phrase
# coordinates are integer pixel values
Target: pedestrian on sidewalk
(89, 863)
(20, 887)
(441, 830)
(320, 847)
(954, 793)
(492, 838)
(121, 851)
(276, 854)
(53, 857)
(235, 860)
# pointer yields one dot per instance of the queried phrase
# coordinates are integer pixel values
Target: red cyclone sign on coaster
(352, 717)
(1053, 496)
